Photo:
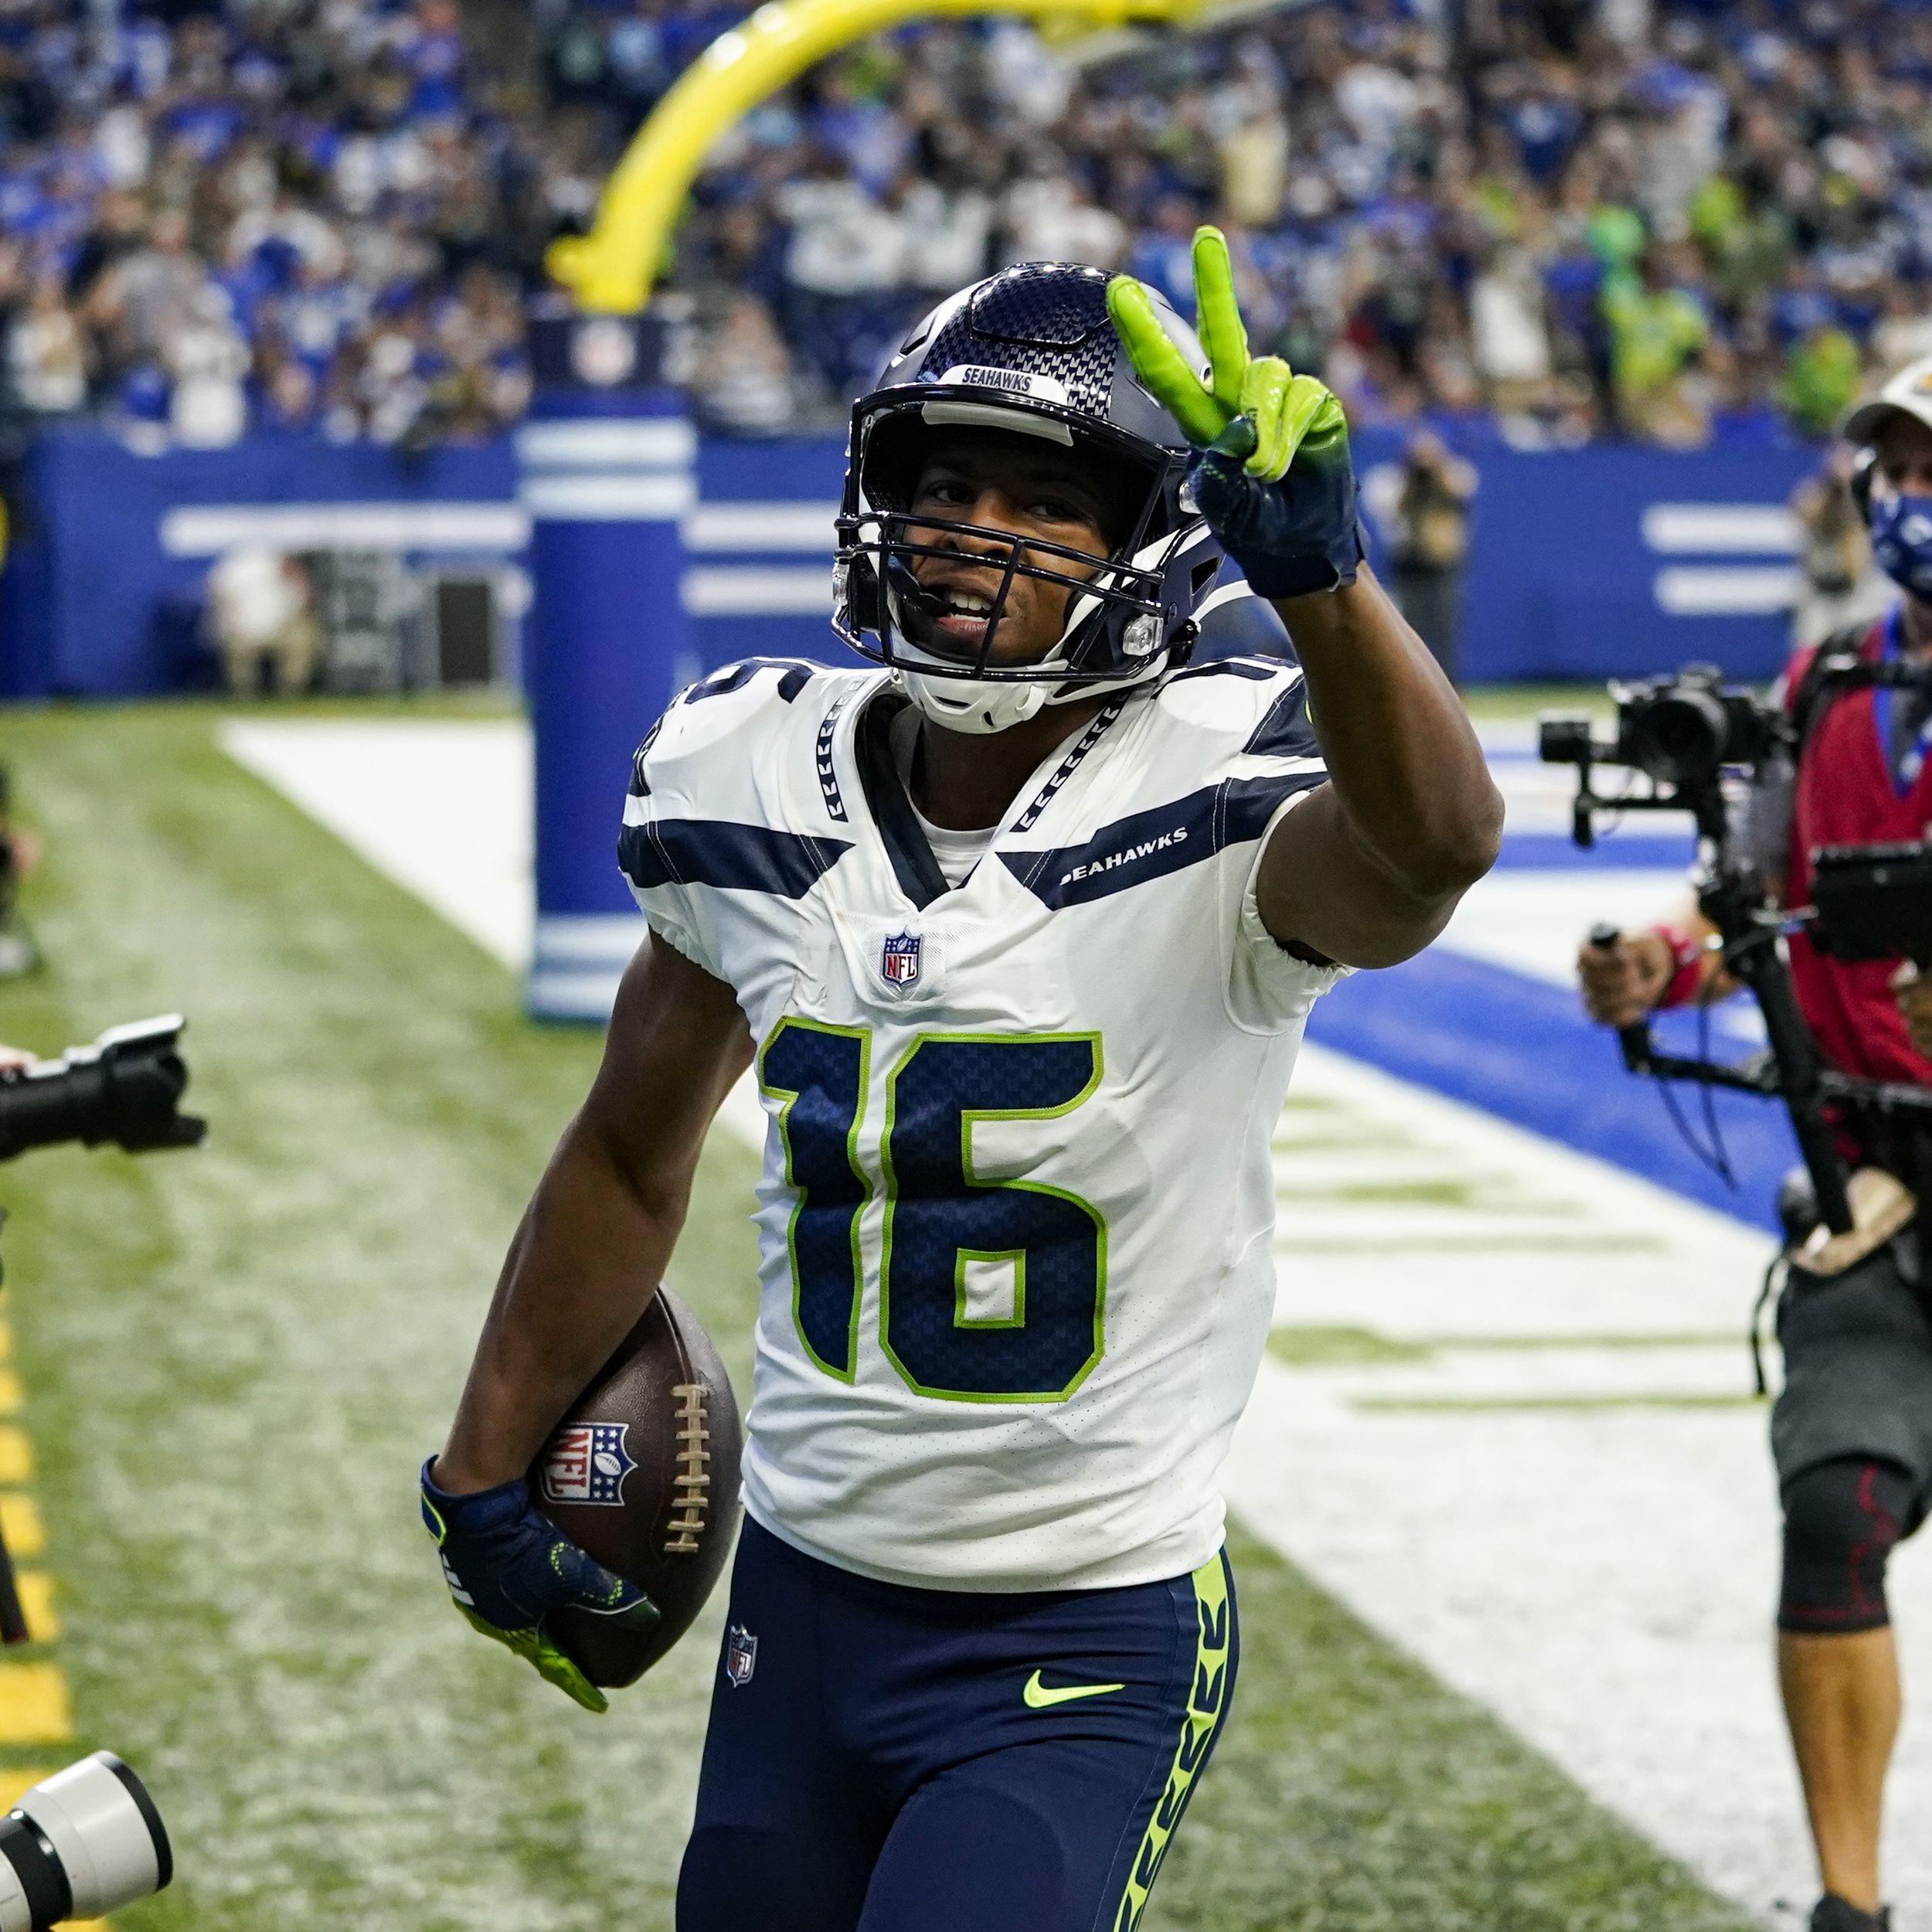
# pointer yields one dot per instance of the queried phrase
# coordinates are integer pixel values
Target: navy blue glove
(1299, 534)
(508, 1566)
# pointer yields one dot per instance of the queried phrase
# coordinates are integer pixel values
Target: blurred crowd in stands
(1548, 220)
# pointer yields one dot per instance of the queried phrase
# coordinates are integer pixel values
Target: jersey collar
(913, 863)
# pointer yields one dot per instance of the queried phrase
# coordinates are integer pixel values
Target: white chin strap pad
(976, 707)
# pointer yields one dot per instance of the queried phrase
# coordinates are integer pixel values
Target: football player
(1019, 927)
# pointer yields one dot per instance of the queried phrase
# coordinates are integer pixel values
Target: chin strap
(973, 705)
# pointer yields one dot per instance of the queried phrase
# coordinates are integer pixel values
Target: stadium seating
(1674, 222)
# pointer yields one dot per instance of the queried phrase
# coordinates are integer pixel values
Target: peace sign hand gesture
(1274, 478)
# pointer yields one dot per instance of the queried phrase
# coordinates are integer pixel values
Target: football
(643, 1473)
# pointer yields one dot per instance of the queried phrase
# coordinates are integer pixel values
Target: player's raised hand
(1273, 478)
(508, 1567)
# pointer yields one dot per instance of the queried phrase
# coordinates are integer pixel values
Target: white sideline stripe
(664, 444)
(614, 497)
(444, 807)
(762, 526)
(1720, 590)
(1721, 529)
(712, 590)
(208, 529)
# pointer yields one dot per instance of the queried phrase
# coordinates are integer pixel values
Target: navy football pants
(890, 1760)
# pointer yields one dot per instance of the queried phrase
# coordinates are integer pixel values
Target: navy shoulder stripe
(1150, 844)
(714, 852)
(794, 674)
(1286, 731)
(1255, 668)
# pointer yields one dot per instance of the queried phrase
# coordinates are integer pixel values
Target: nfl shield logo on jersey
(898, 961)
(741, 1655)
(587, 1464)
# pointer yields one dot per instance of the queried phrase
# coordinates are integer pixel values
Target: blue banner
(1584, 563)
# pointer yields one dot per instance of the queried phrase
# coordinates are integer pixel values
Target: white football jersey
(1018, 1204)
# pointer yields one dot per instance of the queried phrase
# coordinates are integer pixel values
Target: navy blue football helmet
(1033, 351)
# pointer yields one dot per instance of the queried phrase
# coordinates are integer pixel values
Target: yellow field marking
(36, 1598)
(20, 1524)
(35, 1707)
(33, 1704)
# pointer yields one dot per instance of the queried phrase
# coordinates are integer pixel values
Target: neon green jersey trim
(1207, 1710)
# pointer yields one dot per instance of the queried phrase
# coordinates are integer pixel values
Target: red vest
(1846, 795)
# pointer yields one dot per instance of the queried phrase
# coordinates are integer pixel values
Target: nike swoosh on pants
(1039, 1698)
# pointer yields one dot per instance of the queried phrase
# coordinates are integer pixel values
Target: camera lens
(1563, 738)
(80, 1844)
(1680, 737)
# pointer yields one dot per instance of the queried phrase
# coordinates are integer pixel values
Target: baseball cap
(1910, 390)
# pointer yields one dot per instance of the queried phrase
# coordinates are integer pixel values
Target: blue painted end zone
(1520, 1048)
(1543, 851)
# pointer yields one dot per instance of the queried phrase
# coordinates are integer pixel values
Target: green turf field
(235, 1359)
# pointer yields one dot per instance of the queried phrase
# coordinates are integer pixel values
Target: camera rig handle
(1634, 1038)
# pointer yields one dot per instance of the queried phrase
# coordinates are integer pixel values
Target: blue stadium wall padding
(102, 555)
(605, 478)
(1585, 563)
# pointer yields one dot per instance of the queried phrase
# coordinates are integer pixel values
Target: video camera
(1679, 731)
(87, 1840)
(1697, 741)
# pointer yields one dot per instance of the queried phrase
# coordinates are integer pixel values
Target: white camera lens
(79, 1844)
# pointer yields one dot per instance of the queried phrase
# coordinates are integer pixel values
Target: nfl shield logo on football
(587, 1464)
(741, 1655)
(898, 959)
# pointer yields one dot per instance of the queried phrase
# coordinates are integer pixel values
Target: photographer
(1852, 1432)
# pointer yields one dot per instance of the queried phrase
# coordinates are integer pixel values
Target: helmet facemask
(1032, 351)
(1124, 611)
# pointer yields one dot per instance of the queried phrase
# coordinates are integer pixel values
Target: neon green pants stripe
(1207, 1706)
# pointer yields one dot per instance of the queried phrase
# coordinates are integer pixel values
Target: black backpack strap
(1813, 698)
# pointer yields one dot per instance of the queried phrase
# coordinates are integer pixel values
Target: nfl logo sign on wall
(587, 1464)
(898, 962)
(741, 1655)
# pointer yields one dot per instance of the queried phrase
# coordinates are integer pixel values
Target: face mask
(1902, 541)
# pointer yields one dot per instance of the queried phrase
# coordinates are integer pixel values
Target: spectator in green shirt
(1822, 370)
(1658, 327)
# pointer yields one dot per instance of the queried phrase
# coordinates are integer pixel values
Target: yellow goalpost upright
(612, 268)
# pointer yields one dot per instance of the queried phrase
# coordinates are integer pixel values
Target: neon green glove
(1273, 479)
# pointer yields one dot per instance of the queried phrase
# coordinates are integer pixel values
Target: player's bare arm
(1368, 869)
(582, 1269)
(599, 1228)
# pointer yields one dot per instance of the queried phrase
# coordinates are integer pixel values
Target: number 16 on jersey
(945, 1229)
